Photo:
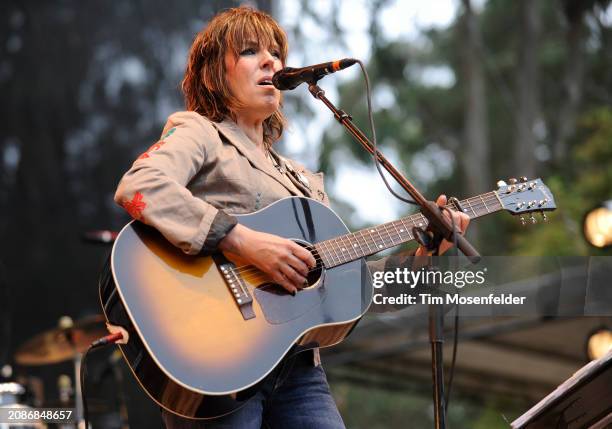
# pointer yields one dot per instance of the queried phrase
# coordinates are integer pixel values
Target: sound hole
(313, 278)
(278, 306)
(314, 275)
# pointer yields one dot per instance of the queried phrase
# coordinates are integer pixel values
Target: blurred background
(465, 92)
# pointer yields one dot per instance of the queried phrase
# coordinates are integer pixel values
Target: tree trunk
(527, 88)
(572, 87)
(474, 158)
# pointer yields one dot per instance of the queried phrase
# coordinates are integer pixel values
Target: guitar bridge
(238, 289)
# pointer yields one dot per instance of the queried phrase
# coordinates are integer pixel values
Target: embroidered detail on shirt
(169, 133)
(135, 207)
(155, 147)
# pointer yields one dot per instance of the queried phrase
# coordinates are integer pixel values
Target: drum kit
(67, 342)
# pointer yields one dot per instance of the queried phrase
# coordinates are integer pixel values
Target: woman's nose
(269, 61)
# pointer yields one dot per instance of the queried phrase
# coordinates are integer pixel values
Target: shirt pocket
(317, 186)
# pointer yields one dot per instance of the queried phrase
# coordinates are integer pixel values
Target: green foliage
(585, 183)
(423, 113)
(376, 408)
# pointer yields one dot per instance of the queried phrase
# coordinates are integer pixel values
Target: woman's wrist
(231, 242)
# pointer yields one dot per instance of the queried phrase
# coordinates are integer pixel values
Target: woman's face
(249, 78)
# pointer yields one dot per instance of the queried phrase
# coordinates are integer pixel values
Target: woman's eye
(275, 54)
(247, 51)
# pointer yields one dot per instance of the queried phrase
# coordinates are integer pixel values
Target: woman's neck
(253, 128)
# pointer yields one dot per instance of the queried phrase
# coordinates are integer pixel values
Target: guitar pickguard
(278, 306)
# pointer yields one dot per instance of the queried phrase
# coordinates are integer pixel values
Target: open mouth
(265, 82)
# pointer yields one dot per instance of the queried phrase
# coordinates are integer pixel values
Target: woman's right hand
(286, 262)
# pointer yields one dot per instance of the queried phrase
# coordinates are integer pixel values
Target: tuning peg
(523, 179)
(544, 217)
(512, 181)
(533, 219)
(523, 221)
(501, 183)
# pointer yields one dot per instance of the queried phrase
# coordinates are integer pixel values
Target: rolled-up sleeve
(154, 189)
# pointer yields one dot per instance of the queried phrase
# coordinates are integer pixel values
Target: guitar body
(193, 349)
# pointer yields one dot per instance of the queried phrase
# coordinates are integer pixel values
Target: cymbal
(60, 344)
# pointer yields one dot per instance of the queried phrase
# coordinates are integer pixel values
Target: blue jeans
(295, 395)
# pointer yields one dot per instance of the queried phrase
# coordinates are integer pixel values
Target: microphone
(290, 78)
(109, 339)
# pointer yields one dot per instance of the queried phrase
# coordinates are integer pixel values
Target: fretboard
(368, 241)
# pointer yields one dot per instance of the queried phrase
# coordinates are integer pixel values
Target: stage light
(598, 225)
(599, 343)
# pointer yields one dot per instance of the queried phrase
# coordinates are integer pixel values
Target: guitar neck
(368, 241)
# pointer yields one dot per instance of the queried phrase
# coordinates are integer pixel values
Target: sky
(359, 185)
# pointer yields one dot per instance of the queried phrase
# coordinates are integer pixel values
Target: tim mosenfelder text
(423, 277)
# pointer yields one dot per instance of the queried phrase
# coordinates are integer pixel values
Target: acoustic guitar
(205, 330)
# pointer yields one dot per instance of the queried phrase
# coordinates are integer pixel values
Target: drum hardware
(68, 341)
(62, 343)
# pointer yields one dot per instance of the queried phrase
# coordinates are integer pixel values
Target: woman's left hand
(461, 221)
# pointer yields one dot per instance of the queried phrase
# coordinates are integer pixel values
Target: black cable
(456, 327)
(396, 195)
(83, 375)
(374, 142)
(7, 315)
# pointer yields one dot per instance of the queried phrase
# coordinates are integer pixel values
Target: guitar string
(381, 228)
(390, 240)
(479, 204)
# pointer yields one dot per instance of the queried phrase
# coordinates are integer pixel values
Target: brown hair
(205, 86)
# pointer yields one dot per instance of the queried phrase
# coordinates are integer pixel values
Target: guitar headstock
(525, 196)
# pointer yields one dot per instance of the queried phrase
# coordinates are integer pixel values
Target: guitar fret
(406, 228)
(368, 241)
(380, 246)
(471, 207)
(326, 252)
(391, 233)
(334, 247)
(485, 204)
(345, 252)
(387, 238)
(397, 231)
(353, 245)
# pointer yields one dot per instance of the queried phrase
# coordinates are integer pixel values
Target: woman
(216, 159)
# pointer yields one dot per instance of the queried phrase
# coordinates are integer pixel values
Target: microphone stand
(439, 226)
